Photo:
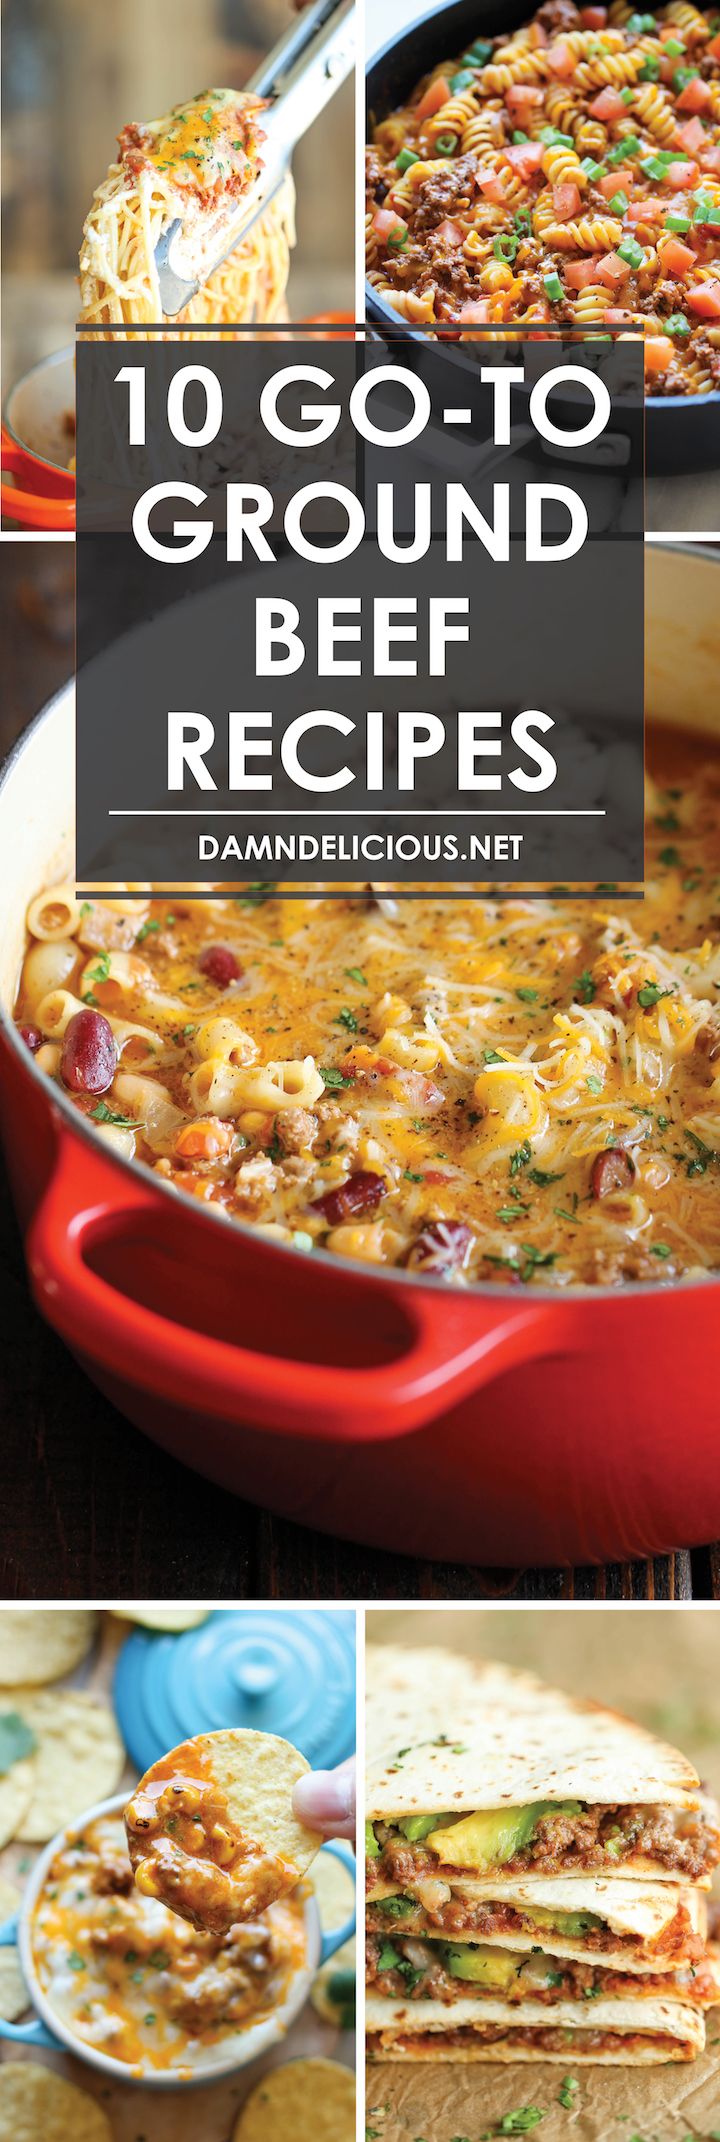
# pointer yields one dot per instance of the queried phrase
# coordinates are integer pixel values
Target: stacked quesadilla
(537, 1871)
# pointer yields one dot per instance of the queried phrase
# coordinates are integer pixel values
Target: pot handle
(331, 1942)
(34, 509)
(33, 2033)
(447, 1346)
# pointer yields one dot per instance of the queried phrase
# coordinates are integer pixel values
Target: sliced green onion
(463, 80)
(505, 246)
(677, 223)
(629, 146)
(677, 324)
(553, 139)
(619, 203)
(477, 55)
(519, 136)
(406, 158)
(652, 167)
(522, 221)
(594, 171)
(638, 23)
(682, 76)
(631, 252)
(626, 96)
(397, 238)
(650, 69)
(446, 144)
(674, 47)
(553, 287)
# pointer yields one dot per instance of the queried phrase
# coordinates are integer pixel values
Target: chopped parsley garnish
(527, 996)
(584, 987)
(356, 975)
(567, 2092)
(332, 1077)
(594, 1083)
(347, 1019)
(519, 1159)
(541, 1176)
(651, 993)
(492, 1056)
(102, 1114)
(145, 931)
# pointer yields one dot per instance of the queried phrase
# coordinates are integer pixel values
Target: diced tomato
(713, 49)
(691, 137)
(710, 157)
(561, 59)
(474, 313)
(650, 210)
(386, 220)
(437, 93)
(538, 35)
(490, 186)
(677, 258)
(566, 201)
(608, 105)
(612, 181)
(452, 232)
(593, 18)
(681, 175)
(705, 299)
(695, 96)
(525, 156)
(612, 270)
(658, 353)
(580, 272)
(522, 93)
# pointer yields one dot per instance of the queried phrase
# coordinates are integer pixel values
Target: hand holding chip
(325, 1800)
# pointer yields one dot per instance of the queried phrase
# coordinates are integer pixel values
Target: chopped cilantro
(527, 996)
(356, 975)
(584, 988)
(651, 993)
(347, 1018)
(332, 1077)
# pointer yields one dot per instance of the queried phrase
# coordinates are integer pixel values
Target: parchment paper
(459, 2104)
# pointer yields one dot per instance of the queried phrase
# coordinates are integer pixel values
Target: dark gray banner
(384, 618)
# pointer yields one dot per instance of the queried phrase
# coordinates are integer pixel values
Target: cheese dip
(133, 1980)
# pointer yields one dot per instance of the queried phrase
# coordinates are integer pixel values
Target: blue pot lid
(279, 1671)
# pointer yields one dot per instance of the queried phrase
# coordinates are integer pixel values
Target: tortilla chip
(14, 1996)
(334, 1889)
(253, 1775)
(16, 1789)
(173, 1619)
(333, 1990)
(310, 2100)
(10, 1897)
(79, 1758)
(42, 1645)
(36, 2105)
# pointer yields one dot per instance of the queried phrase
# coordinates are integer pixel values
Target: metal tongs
(299, 77)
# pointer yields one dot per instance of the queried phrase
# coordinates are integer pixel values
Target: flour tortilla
(36, 2105)
(680, 2024)
(41, 1644)
(308, 2100)
(14, 1996)
(79, 1758)
(256, 1773)
(641, 1909)
(518, 1742)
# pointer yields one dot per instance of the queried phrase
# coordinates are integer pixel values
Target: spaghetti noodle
(193, 162)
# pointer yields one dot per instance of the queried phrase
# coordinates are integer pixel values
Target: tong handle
(303, 71)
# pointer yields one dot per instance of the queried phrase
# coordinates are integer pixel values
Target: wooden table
(89, 1508)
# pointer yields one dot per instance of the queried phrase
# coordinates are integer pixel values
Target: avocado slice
(495, 1834)
(372, 1848)
(484, 1966)
(416, 1827)
(565, 1922)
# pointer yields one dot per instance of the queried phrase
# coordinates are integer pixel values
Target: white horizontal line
(457, 416)
(359, 813)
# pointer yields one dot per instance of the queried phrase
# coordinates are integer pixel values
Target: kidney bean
(220, 965)
(361, 1193)
(441, 1247)
(612, 1170)
(32, 1038)
(89, 1053)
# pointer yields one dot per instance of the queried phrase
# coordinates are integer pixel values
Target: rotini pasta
(583, 156)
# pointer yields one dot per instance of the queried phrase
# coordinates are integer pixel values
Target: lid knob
(257, 1672)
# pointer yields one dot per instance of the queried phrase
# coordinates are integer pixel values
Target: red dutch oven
(36, 443)
(490, 1426)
